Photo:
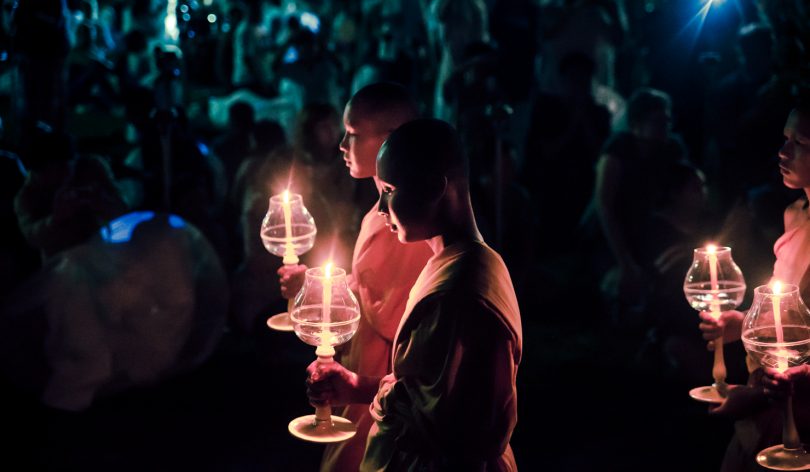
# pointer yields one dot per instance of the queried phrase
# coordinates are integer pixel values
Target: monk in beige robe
(383, 270)
(450, 399)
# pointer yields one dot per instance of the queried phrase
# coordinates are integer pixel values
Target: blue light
(291, 55)
(176, 222)
(120, 229)
(310, 21)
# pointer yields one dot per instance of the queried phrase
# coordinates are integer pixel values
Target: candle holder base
(307, 428)
(280, 322)
(781, 458)
(709, 394)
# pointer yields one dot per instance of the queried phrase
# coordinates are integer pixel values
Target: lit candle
(777, 320)
(711, 249)
(289, 253)
(326, 315)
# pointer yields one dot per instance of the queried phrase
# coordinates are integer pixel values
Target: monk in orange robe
(450, 399)
(383, 270)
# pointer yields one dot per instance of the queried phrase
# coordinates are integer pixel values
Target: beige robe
(451, 401)
(383, 272)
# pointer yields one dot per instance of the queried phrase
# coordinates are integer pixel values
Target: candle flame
(286, 196)
(711, 248)
(328, 270)
(777, 287)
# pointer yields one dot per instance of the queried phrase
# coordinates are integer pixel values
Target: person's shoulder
(620, 144)
(795, 213)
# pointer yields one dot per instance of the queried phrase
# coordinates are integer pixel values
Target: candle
(327, 303)
(289, 253)
(777, 320)
(711, 249)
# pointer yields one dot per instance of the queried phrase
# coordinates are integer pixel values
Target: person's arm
(608, 179)
(455, 390)
(608, 176)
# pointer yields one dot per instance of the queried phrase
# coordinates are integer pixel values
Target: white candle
(289, 252)
(777, 320)
(711, 249)
(326, 314)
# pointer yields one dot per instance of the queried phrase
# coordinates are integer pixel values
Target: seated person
(450, 400)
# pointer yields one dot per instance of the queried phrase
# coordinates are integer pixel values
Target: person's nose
(786, 151)
(382, 207)
(344, 143)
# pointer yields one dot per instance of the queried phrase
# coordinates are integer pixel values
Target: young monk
(758, 422)
(383, 270)
(450, 401)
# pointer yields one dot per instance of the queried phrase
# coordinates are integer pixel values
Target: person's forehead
(799, 122)
(396, 169)
(361, 120)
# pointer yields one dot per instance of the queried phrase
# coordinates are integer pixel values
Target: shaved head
(388, 105)
(423, 149)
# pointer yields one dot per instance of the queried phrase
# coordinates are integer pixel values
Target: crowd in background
(607, 139)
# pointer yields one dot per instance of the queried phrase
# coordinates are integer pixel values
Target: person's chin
(358, 173)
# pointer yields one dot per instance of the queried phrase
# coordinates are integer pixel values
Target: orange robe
(451, 401)
(383, 272)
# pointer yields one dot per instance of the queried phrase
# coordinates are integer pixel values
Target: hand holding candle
(288, 230)
(326, 314)
(714, 285)
(776, 334)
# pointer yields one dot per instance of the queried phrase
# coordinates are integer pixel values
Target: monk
(450, 399)
(383, 270)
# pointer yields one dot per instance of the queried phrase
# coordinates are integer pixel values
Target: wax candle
(777, 321)
(289, 252)
(326, 314)
(711, 250)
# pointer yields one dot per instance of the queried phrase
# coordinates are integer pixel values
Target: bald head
(421, 150)
(372, 113)
(386, 104)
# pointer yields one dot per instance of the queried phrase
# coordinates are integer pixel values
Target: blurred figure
(237, 141)
(628, 176)
(460, 23)
(40, 46)
(141, 301)
(743, 121)
(65, 198)
(566, 135)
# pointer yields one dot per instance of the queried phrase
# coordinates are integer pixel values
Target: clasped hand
(331, 383)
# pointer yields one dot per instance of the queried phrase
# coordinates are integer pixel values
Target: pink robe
(792, 249)
(383, 272)
(451, 401)
(763, 427)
